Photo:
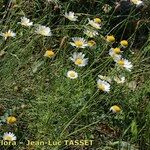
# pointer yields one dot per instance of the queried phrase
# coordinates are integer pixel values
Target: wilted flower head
(106, 8)
(95, 23)
(79, 42)
(79, 60)
(103, 85)
(106, 78)
(90, 33)
(119, 79)
(71, 16)
(72, 74)
(7, 34)
(43, 30)
(9, 136)
(132, 85)
(26, 22)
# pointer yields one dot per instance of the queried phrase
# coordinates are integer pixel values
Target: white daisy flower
(103, 85)
(8, 136)
(94, 24)
(115, 53)
(7, 34)
(43, 30)
(72, 74)
(71, 16)
(79, 60)
(124, 63)
(25, 22)
(79, 42)
(138, 3)
(108, 79)
(119, 79)
(90, 33)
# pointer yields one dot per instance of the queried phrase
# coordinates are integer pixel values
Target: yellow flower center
(116, 108)
(78, 61)
(117, 50)
(110, 38)
(124, 43)
(11, 120)
(72, 74)
(49, 53)
(91, 43)
(101, 87)
(121, 62)
(78, 43)
(43, 31)
(8, 138)
(97, 20)
(7, 34)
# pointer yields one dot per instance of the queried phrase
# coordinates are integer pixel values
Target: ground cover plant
(74, 75)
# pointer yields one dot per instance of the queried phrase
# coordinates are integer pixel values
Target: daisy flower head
(72, 74)
(91, 43)
(124, 43)
(124, 63)
(79, 42)
(97, 20)
(110, 38)
(8, 136)
(71, 16)
(115, 109)
(106, 78)
(79, 60)
(114, 53)
(95, 23)
(26, 22)
(119, 79)
(43, 30)
(49, 54)
(11, 120)
(7, 34)
(138, 3)
(115, 50)
(103, 85)
(90, 33)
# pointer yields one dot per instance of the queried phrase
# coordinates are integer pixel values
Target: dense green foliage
(46, 103)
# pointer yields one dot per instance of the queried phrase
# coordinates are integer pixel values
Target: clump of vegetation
(74, 75)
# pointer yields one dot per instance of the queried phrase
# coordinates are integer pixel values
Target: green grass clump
(48, 105)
